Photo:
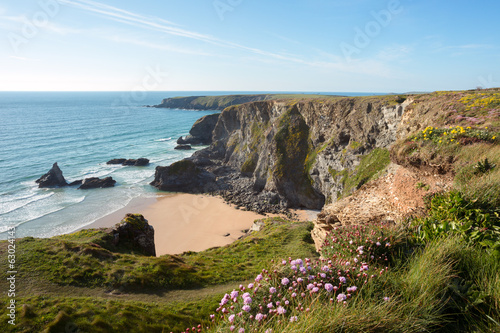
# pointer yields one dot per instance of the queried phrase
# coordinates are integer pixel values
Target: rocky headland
(268, 156)
(217, 102)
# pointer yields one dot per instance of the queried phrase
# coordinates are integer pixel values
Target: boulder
(183, 147)
(134, 232)
(53, 178)
(141, 162)
(184, 176)
(95, 182)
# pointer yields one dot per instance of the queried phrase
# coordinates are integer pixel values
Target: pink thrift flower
(387, 299)
(241, 330)
(270, 305)
(246, 308)
(285, 281)
(234, 294)
(272, 290)
(342, 279)
(258, 278)
(247, 300)
(232, 328)
(310, 286)
(259, 316)
(328, 287)
(231, 318)
(281, 310)
(341, 297)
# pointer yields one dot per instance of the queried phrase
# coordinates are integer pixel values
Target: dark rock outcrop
(184, 176)
(76, 182)
(53, 178)
(116, 161)
(183, 147)
(95, 182)
(134, 232)
(201, 132)
(129, 162)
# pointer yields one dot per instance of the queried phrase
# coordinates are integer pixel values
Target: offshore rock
(53, 178)
(95, 182)
(134, 232)
(129, 162)
(183, 147)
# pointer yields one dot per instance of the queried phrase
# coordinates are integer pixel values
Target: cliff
(271, 155)
(219, 102)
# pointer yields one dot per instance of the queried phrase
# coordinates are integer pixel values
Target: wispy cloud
(395, 52)
(23, 58)
(154, 45)
(149, 22)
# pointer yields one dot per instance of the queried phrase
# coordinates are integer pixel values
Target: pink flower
(250, 286)
(387, 299)
(342, 279)
(259, 316)
(258, 278)
(310, 286)
(272, 290)
(246, 308)
(270, 305)
(241, 330)
(281, 310)
(247, 300)
(231, 318)
(293, 318)
(341, 297)
(285, 281)
(328, 287)
(234, 294)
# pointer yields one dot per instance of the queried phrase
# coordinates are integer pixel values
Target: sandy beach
(187, 222)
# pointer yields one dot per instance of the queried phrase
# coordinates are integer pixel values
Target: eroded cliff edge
(271, 155)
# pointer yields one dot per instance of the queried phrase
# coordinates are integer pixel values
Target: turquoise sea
(82, 131)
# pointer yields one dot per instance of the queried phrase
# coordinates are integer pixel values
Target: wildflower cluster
(455, 135)
(352, 256)
(480, 101)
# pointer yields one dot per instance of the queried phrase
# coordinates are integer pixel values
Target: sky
(249, 45)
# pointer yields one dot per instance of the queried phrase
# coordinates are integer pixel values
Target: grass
(78, 260)
(444, 286)
(368, 169)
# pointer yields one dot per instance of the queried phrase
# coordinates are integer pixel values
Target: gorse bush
(454, 135)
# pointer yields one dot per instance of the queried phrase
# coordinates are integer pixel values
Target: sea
(81, 131)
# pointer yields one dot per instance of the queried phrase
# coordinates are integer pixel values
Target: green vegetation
(81, 259)
(368, 169)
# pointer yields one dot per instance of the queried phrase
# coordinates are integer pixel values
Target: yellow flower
(486, 127)
(445, 133)
(440, 141)
(493, 138)
(451, 140)
(468, 127)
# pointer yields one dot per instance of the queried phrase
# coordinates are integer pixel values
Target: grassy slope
(149, 294)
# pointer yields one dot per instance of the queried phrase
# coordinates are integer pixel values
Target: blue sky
(249, 45)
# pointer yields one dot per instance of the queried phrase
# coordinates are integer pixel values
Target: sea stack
(53, 178)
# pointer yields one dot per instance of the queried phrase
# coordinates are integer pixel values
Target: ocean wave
(29, 217)
(162, 140)
(18, 203)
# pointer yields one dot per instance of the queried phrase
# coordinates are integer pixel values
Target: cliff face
(297, 154)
